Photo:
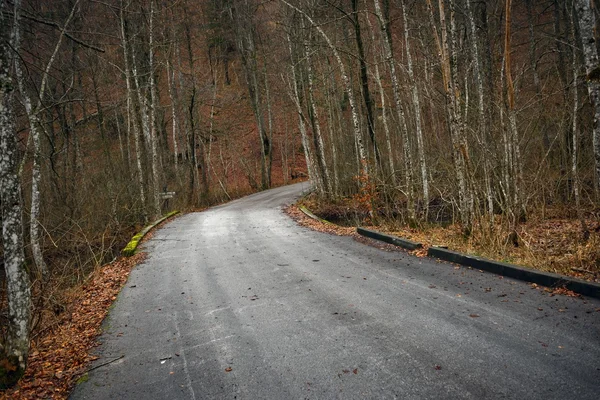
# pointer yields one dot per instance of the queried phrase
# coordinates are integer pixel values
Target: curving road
(239, 302)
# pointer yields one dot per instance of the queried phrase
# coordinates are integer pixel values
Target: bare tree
(362, 154)
(18, 293)
(587, 28)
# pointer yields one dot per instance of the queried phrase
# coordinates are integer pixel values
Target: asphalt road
(239, 302)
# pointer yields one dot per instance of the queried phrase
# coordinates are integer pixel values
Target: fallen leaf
(474, 315)
(228, 369)
(355, 371)
(437, 367)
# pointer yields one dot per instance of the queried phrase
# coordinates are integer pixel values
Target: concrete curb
(129, 250)
(313, 216)
(404, 243)
(513, 271)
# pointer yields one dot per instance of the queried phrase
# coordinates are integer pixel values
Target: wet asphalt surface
(239, 302)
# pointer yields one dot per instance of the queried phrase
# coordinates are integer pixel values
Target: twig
(106, 363)
(583, 270)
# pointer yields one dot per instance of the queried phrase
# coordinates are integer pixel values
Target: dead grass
(551, 244)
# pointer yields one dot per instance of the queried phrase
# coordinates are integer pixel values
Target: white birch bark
(389, 56)
(587, 29)
(317, 136)
(449, 74)
(34, 131)
(152, 111)
(132, 112)
(174, 105)
(17, 280)
(460, 142)
(417, 109)
(362, 154)
(310, 165)
(513, 150)
(575, 138)
(384, 117)
(481, 107)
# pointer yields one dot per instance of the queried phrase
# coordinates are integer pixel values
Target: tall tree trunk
(295, 96)
(316, 123)
(153, 103)
(132, 112)
(513, 149)
(587, 28)
(575, 140)
(174, 107)
(247, 46)
(364, 82)
(17, 281)
(482, 104)
(456, 127)
(417, 108)
(34, 131)
(384, 115)
(408, 162)
(362, 154)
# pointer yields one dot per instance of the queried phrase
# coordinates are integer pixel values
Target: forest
(479, 115)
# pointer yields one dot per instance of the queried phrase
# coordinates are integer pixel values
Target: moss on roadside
(131, 247)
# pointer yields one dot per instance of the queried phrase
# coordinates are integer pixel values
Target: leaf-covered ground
(60, 354)
(552, 244)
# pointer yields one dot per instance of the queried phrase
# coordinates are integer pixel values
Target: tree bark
(587, 27)
(34, 131)
(316, 124)
(17, 281)
(384, 116)
(295, 96)
(417, 108)
(362, 154)
(408, 162)
(575, 140)
(153, 102)
(131, 110)
(364, 82)
(482, 105)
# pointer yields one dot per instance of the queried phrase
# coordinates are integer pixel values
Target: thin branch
(68, 35)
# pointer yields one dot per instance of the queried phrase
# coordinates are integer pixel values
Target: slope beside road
(240, 302)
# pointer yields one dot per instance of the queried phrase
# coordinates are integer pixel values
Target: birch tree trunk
(245, 34)
(483, 115)
(34, 131)
(153, 103)
(513, 149)
(364, 81)
(17, 281)
(417, 108)
(174, 107)
(362, 154)
(587, 28)
(131, 111)
(575, 138)
(384, 117)
(310, 165)
(389, 56)
(316, 124)
(449, 76)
